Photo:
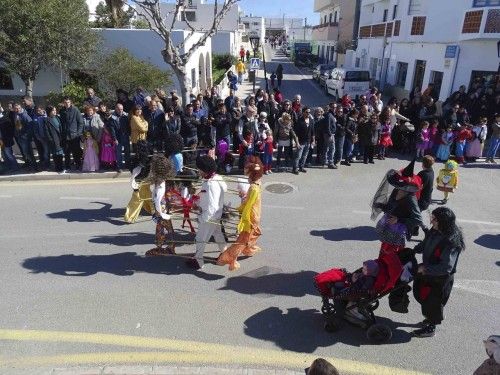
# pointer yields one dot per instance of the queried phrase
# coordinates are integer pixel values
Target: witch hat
(408, 171)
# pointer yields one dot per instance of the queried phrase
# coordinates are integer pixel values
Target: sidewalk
(47, 176)
(160, 370)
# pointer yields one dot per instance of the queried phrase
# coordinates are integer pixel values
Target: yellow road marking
(186, 352)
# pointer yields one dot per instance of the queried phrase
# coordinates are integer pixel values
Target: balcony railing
(327, 24)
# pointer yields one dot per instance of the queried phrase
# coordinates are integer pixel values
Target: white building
(199, 14)
(409, 43)
(254, 25)
(338, 22)
(143, 44)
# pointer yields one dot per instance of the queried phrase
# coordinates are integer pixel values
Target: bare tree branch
(178, 5)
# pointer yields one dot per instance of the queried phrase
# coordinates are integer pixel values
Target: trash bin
(251, 76)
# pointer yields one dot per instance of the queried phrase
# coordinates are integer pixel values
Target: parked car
(350, 81)
(320, 69)
(324, 76)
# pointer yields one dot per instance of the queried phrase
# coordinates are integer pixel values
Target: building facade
(411, 43)
(337, 28)
(254, 26)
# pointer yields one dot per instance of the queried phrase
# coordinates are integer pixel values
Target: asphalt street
(75, 285)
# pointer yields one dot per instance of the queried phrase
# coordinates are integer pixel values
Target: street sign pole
(265, 71)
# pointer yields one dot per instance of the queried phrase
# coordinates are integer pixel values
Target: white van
(350, 81)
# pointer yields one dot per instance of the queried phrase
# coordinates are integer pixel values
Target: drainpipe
(454, 71)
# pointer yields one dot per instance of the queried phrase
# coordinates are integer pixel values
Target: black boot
(428, 331)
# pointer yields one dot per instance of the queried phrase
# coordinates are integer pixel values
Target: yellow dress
(248, 228)
(140, 199)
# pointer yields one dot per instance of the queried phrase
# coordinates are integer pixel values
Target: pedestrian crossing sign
(254, 63)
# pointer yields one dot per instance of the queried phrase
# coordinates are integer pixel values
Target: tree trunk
(28, 87)
(183, 83)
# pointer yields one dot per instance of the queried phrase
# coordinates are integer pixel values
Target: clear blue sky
(291, 8)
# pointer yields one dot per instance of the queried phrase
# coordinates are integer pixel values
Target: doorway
(437, 80)
(418, 76)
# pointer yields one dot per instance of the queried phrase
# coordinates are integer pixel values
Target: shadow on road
(490, 241)
(139, 238)
(302, 330)
(267, 282)
(481, 166)
(362, 233)
(81, 215)
(121, 264)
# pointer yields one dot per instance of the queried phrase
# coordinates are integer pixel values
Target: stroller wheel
(327, 309)
(332, 324)
(379, 333)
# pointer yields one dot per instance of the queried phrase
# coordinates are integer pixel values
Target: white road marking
(488, 288)
(283, 207)
(361, 212)
(5, 196)
(85, 198)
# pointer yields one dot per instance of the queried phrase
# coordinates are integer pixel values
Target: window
(256, 24)
(492, 21)
(437, 80)
(384, 18)
(388, 29)
(418, 26)
(394, 11)
(373, 8)
(378, 30)
(188, 16)
(335, 18)
(486, 3)
(357, 76)
(472, 22)
(397, 26)
(415, 7)
(330, 18)
(373, 67)
(402, 70)
(365, 31)
(357, 63)
(5, 80)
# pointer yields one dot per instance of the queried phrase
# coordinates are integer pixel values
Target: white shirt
(212, 198)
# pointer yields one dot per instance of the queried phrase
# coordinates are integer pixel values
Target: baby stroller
(389, 279)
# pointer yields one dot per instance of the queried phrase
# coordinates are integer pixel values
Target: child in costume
(211, 204)
(108, 150)
(447, 180)
(90, 152)
(424, 139)
(141, 194)
(443, 151)
(162, 169)
(476, 143)
(249, 225)
(434, 137)
(463, 135)
(268, 149)
(385, 139)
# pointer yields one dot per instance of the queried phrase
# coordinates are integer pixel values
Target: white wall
(47, 80)
(225, 42)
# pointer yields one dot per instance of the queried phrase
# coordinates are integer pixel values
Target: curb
(162, 370)
(53, 176)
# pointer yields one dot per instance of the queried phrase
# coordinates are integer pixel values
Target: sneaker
(194, 264)
(269, 172)
(331, 166)
(266, 172)
(428, 331)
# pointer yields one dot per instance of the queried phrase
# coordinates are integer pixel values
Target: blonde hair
(285, 117)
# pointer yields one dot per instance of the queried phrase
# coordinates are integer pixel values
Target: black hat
(405, 179)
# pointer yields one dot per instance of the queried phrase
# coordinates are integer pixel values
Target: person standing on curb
(72, 131)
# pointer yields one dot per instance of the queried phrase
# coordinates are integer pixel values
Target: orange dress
(248, 228)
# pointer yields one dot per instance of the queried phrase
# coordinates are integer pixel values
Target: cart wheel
(328, 309)
(379, 333)
(332, 324)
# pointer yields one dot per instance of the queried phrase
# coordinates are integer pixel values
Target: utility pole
(305, 27)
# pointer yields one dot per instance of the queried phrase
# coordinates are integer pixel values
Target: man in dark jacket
(330, 135)
(339, 135)
(72, 125)
(7, 139)
(304, 129)
(156, 120)
(427, 176)
(122, 125)
(23, 125)
(189, 127)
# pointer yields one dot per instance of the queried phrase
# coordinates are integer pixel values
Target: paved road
(70, 266)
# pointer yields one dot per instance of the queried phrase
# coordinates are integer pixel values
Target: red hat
(405, 179)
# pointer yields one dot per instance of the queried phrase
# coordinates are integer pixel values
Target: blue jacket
(23, 125)
(39, 127)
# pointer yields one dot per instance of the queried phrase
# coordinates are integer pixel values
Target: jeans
(123, 145)
(287, 150)
(42, 147)
(339, 149)
(27, 149)
(300, 156)
(329, 150)
(8, 156)
(240, 78)
(492, 150)
(348, 148)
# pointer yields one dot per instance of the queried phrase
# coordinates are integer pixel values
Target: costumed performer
(396, 197)
(162, 169)
(141, 195)
(250, 209)
(211, 205)
(447, 179)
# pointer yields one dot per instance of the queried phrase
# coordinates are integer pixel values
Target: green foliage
(76, 91)
(218, 75)
(121, 70)
(48, 32)
(140, 23)
(225, 61)
(111, 15)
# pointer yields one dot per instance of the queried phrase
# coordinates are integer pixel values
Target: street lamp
(255, 43)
